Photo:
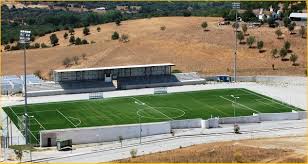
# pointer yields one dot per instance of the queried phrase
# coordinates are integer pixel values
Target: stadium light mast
(234, 107)
(235, 5)
(24, 38)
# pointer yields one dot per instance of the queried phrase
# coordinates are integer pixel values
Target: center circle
(179, 113)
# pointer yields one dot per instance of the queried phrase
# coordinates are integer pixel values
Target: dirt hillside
(272, 150)
(183, 43)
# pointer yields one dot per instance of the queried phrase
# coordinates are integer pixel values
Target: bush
(286, 21)
(302, 31)
(84, 41)
(43, 45)
(244, 28)
(86, 31)
(38, 73)
(65, 35)
(176, 71)
(278, 33)
(163, 28)
(287, 45)
(250, 41)
(236, 129)
(54, 39)
(78, 41)
(118, 22)
(67, 62)
(274, 53)
(98, 29)
(260, 45)
(92, 42)
(293, 58)
(72, 39)
(283, 52)
(37, 45)
(71, 31)
(186, 13)
(240, 36)
(204, 25)
(7, 47)
(124, 38)
(133, 153)
(115, 36)
(76, 60)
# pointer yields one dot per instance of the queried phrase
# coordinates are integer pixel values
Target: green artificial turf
(149, 108)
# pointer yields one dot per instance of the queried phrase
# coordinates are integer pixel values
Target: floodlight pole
(25, 38)
(235, 5)
(234, 103)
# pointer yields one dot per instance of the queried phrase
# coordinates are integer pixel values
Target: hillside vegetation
(182, 41)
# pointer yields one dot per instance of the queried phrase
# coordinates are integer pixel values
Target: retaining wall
(302, 115)
(103, 133)
(162, 84)
(240, 119)
(183, 124)
(279, 116)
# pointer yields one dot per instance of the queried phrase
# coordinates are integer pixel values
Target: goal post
(160, 90)
(96, 95)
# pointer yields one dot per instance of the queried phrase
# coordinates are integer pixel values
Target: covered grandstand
(100, 79)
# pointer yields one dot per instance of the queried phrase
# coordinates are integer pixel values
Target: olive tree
(250, 41)
(260, 45)
(293, 58)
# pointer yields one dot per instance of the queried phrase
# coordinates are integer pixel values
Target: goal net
(160, 90)
(96, 95)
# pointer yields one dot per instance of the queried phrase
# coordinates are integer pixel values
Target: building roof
(115, 67)
(298, 15)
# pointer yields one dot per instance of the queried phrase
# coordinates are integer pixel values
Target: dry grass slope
(183, 42)
(235, 151)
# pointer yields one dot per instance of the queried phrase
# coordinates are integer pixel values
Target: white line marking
(239, 104)
(21, 121)
(277, 102)
(75, 119)
(260, 100)
(66, 118)
(39, 123)
(151, 107)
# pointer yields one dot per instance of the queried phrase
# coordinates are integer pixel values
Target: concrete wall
(183, 124)
(103, 133)
(162, 84)
(240, 119)
(278, 116)
(302, 115)
(213, 123)
(72, 91)
(295, 80)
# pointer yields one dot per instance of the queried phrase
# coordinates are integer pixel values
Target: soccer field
(149, 108)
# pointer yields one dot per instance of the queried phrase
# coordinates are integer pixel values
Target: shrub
(67, 62)
(72, 39)
(92, 42)
(12, 40)
(240, 36)
(244, 28)
(163, 28)
(236, 129)
(286, 21)
(235, 25)
(38, 73)
(124, 38)
(86, 31)
(133, 153)
(32, 38)
(7, 47)
(65, 35)
(302, 31)
(115, 36)
(260, 45)
(76, 60)
(278, 33)
(71, 31)
(78, 41)
(84, 41)
(287, 45)
(186, 13)
(250, 41)
(274, 53)
(118, 22)
(293, 58)
(43, 45)
(204, 25)
(54, 39)
(37, 45)
(98, 29)
(176, 71)
(291, 27)
(283, 52)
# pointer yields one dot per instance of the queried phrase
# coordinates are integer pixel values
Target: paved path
(113, 151)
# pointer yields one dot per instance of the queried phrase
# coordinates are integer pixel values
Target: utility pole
(24, 38)
(235, 5)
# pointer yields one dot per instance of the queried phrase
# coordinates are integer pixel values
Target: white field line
(205, 104)
(21, 121)
(260, 100)
(39, 111)
(76, 119)
(277, 102)
(239, 104)
(66, 118)
(151, 107)
(39, 123)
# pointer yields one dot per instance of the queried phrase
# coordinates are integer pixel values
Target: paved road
(113, 151)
